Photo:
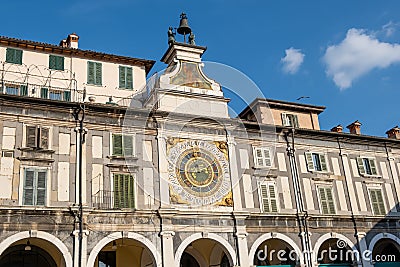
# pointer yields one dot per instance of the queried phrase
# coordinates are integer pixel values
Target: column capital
(167, 234)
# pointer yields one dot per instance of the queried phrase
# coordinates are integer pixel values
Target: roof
(87, 54)
(272, 103)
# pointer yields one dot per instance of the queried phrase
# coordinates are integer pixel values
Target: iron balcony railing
(111, 200)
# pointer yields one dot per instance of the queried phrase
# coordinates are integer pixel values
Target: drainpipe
(301, 213)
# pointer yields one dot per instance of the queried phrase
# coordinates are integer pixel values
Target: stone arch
(40, 235)
(326, 237)
(228, 249)
(114, 236)
(380, 236)
(267, 236)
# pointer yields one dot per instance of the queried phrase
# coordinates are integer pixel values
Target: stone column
(363, 261)
(84, 247)
(167, 248)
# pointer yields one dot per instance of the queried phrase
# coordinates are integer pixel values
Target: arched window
(18, 256)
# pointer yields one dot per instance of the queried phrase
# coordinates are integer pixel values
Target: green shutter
(323, 200)
(127, 141)
(129, 78)
(14, 56)
(98, 74)
(117, 196)
(52, 62)
(124, 195)
(361, 168)
(18, 57)
(121, 77)
(10, 55)
(264, 198)
(24, 90)
(44, 93)
(329, 198)
(117, 144)
(90, 73)
(377, 202)
(67, 96)
(28, 188)
(60, 63)
(272, 197)
(381, 203)
(309, 161)
(41, 188)
(372, 166)
(324, 166)
(31, 140)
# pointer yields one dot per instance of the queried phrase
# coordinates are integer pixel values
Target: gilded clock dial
(198, 172)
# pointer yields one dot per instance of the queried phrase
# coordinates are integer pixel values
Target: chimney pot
(337, 129)
(72, 40)
(394, 133)
(355, 127)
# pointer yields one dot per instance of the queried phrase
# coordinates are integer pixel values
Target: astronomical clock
(198, 172)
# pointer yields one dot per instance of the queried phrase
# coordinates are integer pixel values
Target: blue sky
(342, 54)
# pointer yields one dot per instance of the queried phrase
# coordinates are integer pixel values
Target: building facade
(170, 179)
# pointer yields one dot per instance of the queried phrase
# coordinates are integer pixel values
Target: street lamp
(79, 115)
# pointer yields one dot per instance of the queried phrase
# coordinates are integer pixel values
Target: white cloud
(356, 55)
(390, 28)
(292, 61)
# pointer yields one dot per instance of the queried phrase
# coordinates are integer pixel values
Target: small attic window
(290, 120)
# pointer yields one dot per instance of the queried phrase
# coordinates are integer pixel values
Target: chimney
(63, 43)
(394, 133)
(337, 129)
(72, 40)
(355, 127)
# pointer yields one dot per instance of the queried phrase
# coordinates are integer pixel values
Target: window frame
(325, 187)
(261, 197)
(123, 74)
(363, 169)
(39, 141)
(115, 198)
(310, 157)
(58, 61)
(123, 136)
(263, 157)
(97, 73)
(287, 122)
(16, 58)
(35, 186)
(381, 212)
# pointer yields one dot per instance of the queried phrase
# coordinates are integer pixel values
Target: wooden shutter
(44, 138)
(295, 121)
(41, 188)
(18, 57)
(361, 168)
(284, 119)
(326, 200)
(377, 202)
(267, 157)
(322, 159)
(31, 138)
(90, 72)
(67, 96)
(52, 62)
(129, 78)
(10, 55)
(124, 195)
(44, 93)
(127, 141)
(98, 74)
(60, 63)
(28, 188)
(117, 144)
(122, 77)
(258, 156)
(24, 90)
(272, 198)
(372, 166)
(309, 161)
(264, 198)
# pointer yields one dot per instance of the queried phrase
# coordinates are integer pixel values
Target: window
(326, 202)
(56, 62)
(290, 120)
(107, 259)
(7, 154)
(13, 89)
(316, 162)
(269, 202)
(14, 56)
(55, 94)
(35, 187)
(37, 137)
(262, 157)
(124, 191)
(378, 206)
(122, 145)
(125, 77)
(366, 166)
(94, 73)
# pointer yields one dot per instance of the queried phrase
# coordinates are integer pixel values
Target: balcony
(112, 200)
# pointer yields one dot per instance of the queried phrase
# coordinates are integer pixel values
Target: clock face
(198, 172)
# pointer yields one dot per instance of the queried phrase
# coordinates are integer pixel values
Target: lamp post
(79, 115)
